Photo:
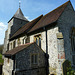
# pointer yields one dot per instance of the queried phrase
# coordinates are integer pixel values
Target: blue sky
(31, 9)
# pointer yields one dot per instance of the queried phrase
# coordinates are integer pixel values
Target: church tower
(15, 23)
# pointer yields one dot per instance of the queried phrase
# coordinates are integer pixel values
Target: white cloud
(27, 17)
(1, 41)
(3, 28)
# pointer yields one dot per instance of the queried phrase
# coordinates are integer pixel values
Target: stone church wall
(65, 23)
(17, 24)
(26, 67)
(8, 66)
(52, 47)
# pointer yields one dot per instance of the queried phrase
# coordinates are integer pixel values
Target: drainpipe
(46, 43)
(47, 56)
(14, 66)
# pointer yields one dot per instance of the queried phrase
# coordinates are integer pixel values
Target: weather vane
(19, 3)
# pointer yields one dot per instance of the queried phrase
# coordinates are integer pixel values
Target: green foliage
(1, 48)
(69, 70)
(1, 60)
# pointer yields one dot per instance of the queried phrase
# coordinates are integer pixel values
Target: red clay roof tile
(26, 26)
(42, 21)
(18, 49)
(50, 17)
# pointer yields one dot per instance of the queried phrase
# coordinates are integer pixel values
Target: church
(40, 46)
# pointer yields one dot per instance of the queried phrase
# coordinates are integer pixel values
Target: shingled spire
(19, 15)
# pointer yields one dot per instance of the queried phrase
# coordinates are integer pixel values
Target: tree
(1, 49)
(67, 69)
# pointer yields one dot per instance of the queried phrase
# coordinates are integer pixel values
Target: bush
(69, 70)
(1, 60)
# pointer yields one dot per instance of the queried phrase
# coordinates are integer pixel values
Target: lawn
(1, 60)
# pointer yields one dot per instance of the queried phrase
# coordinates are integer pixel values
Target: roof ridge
(50, 17)
(57, 8)
(18, 49)
(57, 12)
(26, 25)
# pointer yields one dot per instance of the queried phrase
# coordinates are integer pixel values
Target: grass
(1, 60)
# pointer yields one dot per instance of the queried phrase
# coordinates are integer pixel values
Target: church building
(40, 46)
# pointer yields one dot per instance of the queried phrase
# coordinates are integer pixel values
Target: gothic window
(18, 42)
(73, 58)
(37, 39)
(39, 42)
(27, 40)
(24, 41)
(34, 58)
(8, 46)
(14, 44)
(11, 45)
(73, 44)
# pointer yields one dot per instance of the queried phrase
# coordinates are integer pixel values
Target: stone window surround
(24, 39)
(14, 44)
(18, 41)
(11, 45)
(38, 37)
(34, 60)
(72, 44)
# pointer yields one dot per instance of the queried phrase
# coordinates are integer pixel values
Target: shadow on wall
(0, 69)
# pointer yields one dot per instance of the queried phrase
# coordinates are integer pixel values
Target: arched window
(73, 44)
(18, 42)
(39, 42)
(24, 41)
(11, 45)
(27, 40)
(14, 44)
(34, 58)
(8, 46)
(37, 39)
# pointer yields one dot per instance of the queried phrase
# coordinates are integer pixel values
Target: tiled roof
(42, 21)
(50, 17)
(26, 27)
(17, 49)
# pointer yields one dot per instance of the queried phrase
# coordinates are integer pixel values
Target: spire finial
(19, 3)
